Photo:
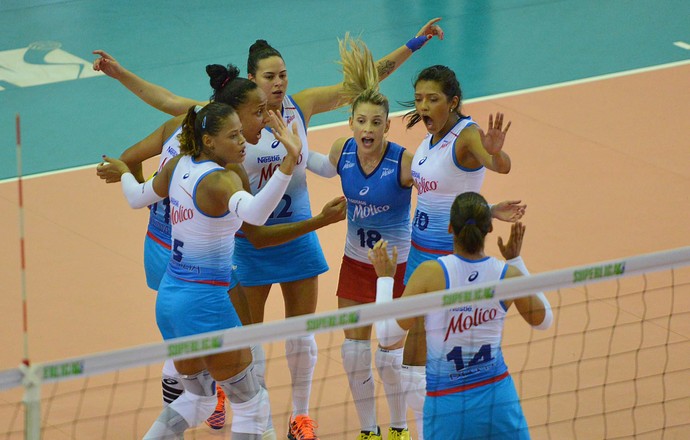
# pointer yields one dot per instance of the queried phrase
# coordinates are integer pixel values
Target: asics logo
(364, 191)
(423, 160)
(186, 176)
(473, 276)
(275, 143)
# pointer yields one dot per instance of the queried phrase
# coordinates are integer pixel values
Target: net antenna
(32, 393)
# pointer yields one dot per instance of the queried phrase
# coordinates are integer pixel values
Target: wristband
(384, 290)
(416, 43)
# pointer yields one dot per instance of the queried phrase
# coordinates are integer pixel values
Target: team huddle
(229, 216)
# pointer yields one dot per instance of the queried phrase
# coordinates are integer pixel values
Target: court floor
(600, 157)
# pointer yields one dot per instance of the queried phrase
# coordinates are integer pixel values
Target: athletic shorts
(357, 281)
(489, 412)
(295, 260)
(156, 257)
(417, 257)
(185, 308)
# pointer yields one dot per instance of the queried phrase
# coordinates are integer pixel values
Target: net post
(32, 380)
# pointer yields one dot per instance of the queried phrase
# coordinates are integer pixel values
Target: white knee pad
(199, 400)
(356, 357)
(252, 416)
(389, 364)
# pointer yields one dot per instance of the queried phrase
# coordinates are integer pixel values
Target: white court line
(402, 112)
(682, 45)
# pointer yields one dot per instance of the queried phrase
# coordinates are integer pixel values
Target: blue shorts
(491, 411)
(297, 259)
(417, 257)
(156, 258)
(185, 308)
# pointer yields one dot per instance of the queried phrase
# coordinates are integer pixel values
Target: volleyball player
(450, 160)
(469, 391)
(208, 206)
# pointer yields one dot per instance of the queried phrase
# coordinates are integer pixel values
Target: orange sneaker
(302, 428)
(217, 419)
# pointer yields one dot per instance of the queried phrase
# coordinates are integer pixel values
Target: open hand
(383, 264)
(512, 249)
(495, 135)
(508, 210)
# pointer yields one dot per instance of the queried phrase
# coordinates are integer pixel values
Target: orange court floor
(603, 166)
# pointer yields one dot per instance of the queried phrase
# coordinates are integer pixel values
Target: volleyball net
(614, 364)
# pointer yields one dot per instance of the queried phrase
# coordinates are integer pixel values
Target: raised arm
(486, 148)
(135, 155)
(154, 95)
(535, 309)
(317, 100)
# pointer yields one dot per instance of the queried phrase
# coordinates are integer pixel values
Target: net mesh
(615, 364)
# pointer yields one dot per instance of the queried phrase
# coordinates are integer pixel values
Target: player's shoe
(217, 419)
(369, 435)
(302, 428)
(398, 434)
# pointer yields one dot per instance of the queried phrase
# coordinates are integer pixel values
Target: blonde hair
(360, 74)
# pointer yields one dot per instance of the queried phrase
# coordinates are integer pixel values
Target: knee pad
(356, 357)
(242, 387)
(389, 364)
(199, 400)
(301, 352)
(251, 416)
(170, 383)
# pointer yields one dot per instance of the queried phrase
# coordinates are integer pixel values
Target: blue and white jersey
(264, 158)
(464, 343)
(202, 245)
(378, 206)
(159, 212)
(439, 179)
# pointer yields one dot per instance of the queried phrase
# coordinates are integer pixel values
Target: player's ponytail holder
(416, 43)
(225, 81)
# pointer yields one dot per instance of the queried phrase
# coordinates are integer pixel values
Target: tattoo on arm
(385, 68)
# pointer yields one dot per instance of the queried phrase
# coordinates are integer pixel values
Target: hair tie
(470, 221)
(227, 79)
(203, 122)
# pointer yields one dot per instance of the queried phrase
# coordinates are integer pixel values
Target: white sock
(356, 357)
(388, 365)
(301, 358)
(259, 360)
(414, 384)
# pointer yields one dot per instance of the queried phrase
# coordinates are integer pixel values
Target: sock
(259, 361)
(301, 358)
(356, 357)
(388, 365)
(414, 384)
